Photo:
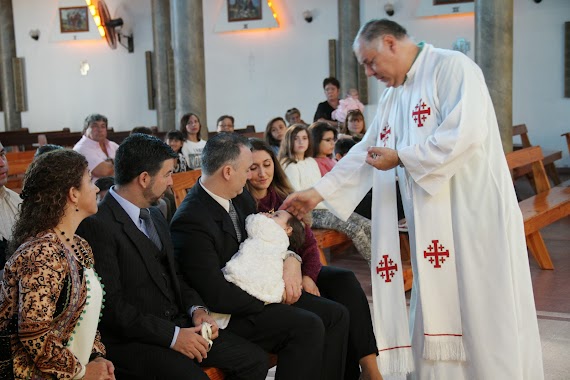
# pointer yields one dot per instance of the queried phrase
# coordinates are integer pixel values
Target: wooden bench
(567, 134)
(542, 209)
(548, 161)
(327, 239)
(217, 374)
(182, 182)
(18, 163)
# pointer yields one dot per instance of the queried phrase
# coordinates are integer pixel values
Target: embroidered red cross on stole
(436, 254)
(420, 113)
(387, 267)
(385, 134)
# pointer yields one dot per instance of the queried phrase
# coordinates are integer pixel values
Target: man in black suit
(152, 321)
(308, 333)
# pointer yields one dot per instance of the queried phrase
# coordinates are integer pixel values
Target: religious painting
(242, 10)
(444, 2)
(73, 19)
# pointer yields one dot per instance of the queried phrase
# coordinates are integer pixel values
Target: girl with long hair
(274, 133)
(192, 148)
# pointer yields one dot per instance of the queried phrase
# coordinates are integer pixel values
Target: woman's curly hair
(46, 186)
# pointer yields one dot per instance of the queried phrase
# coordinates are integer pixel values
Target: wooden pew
(542, 209)
(328, 239)
(182, 182)
(549, 157)
(567, 134)
(18, 163)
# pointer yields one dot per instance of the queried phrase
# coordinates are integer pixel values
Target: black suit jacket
(204, 240)
(138, 304)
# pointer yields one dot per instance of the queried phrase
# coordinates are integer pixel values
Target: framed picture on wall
(444, 2)
(242, 10)
(73, 19)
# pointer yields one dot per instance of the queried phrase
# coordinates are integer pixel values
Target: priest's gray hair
(377, 28)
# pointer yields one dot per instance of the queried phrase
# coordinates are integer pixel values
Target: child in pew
(175, 139)
(257, 267)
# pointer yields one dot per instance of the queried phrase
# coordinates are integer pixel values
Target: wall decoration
(428, 8)
(73, 19)
(246, 15)
(243, 10)
(442, 2)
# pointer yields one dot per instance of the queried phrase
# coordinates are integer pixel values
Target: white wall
(256, 75)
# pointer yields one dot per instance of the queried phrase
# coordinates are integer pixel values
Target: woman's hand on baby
(310, 287)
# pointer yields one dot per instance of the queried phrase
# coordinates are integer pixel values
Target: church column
(189, 66)
(162, 50)
(348, 25)
(494, 54)
(12, 118)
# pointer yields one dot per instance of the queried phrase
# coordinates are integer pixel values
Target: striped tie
(235, 220)
(150, 228)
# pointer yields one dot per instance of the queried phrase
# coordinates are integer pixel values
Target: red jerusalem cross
(387, 267)
(420, 113)
(385, 134)
(436, 254)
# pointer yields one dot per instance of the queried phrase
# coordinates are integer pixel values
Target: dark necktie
(150, 228)
(235, 220)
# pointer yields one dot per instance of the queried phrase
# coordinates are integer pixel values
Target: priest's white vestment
(445, 131)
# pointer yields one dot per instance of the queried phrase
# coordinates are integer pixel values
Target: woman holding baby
(269, 186)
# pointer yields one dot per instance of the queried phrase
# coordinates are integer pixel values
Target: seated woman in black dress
(324, 111)
(269, 186)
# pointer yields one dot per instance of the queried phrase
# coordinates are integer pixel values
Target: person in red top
(269, 186)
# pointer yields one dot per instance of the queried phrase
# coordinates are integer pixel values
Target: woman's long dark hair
(46, 187)
(184, 120)
(286, 153)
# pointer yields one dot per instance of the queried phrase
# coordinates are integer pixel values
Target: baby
(257, 267)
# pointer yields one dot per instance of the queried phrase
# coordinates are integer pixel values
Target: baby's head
(292, 227)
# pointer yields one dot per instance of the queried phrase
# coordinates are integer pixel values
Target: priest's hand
(301, 202)
(382, 158)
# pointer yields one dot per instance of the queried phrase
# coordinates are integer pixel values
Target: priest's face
(379, 58)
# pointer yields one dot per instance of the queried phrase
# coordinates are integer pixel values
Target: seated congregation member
(104, 184)
(9, 202)
(269, 186)
(303, 172)
(341, 147)
(308, 333)
(257, 267)
(51, 296)
(324, 137)
(175, 139)
(143, 130)
(46, 148)
(274, 133)
(331, 87)
(191, 127)
(354, 126)
(95, 146)
(225, 123)
(152, 320)
(293, 116)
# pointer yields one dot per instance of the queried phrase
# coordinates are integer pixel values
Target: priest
(472, 313)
